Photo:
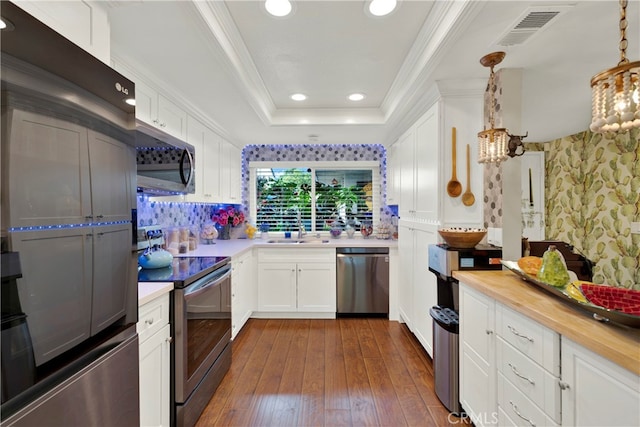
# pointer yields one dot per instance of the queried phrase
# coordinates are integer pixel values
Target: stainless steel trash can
(445, 358)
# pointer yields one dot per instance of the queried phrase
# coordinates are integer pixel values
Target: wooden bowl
(462, 239)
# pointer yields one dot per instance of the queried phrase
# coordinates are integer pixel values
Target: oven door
(202, 328)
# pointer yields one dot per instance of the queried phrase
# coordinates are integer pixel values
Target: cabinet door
(425, 289)
(146, 104)
(406, 164)
(230, 173)
(112, 264)
(317, 287)
(154, 379)
(405, 287)
(171, 118)
(277, 287)
(48, 166)
(477, 355)
(55, 290)
(427, 157)
(112, 166)
(242, 292)
(211, 166)
(597, 392)
(393, 175)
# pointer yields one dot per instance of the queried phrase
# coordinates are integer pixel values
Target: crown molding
(219, 22)
(444, 24)
(467, 88)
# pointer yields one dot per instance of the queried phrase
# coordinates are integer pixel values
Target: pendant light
(492, 143)
(615, 92)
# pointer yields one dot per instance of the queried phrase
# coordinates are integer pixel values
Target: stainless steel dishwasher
(363, 281)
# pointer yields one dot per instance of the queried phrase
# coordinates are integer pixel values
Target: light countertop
(236, 247)
(148, 291)
(619, 344)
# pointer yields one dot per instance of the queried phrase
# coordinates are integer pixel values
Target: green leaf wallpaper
(593, 195)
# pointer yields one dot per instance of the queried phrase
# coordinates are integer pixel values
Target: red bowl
(613, 298)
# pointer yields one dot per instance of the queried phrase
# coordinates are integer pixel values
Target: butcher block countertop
(619, 344)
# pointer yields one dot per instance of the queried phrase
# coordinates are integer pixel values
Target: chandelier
(492, 143)
(615, 92)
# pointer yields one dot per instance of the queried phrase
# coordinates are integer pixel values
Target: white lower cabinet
(243, 291)
(155, 339)
(418, 289)
(595, 391)
(297, 281)
(477, 356)
(516, 372)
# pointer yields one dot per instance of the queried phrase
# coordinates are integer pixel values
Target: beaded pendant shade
(615, 92)
(492, 143)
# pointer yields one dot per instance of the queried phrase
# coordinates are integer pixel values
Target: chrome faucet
(301, 230)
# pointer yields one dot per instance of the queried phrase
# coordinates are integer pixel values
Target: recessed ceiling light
(298, 96)
(356, 97)
(382, 7)
(278, 8)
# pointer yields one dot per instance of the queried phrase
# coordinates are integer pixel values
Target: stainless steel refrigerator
(69, 288)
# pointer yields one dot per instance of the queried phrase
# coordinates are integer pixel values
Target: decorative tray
(599, 313)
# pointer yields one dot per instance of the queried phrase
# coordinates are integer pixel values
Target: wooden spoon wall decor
(454, 188)
(468, 198)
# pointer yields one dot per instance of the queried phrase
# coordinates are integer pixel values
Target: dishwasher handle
(362, 251)
(362, 256)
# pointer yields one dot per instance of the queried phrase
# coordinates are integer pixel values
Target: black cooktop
(183, 270)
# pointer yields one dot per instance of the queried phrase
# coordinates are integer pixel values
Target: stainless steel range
(443, 261)
(201, 330)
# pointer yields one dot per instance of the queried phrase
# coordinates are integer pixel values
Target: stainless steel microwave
(165, 163)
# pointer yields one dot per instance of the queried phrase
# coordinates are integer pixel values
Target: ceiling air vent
(531, 22)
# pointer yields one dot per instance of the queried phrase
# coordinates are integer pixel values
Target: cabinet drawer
(518, 408)
(537, 342)
(152, 317)
(529, 378)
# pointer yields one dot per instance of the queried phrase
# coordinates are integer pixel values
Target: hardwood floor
(342, 372)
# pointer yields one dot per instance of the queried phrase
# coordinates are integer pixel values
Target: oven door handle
(205, 283)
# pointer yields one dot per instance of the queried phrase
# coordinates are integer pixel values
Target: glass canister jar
(208, 233)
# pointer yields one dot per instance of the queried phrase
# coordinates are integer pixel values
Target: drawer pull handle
(169, 340)
(489, 331)
(564, 386)
(149, 321)
(515, 332)
(515, 409)
(518, 374)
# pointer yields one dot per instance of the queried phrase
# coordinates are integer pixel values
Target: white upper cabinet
(230, 173)
(218, 166)
(154, 108)
(416, 160)
(207, 158)
(393, 175)
(85, 23)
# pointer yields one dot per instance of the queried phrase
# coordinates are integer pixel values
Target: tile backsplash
(173, 214)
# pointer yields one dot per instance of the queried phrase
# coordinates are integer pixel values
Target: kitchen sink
(296, 241)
